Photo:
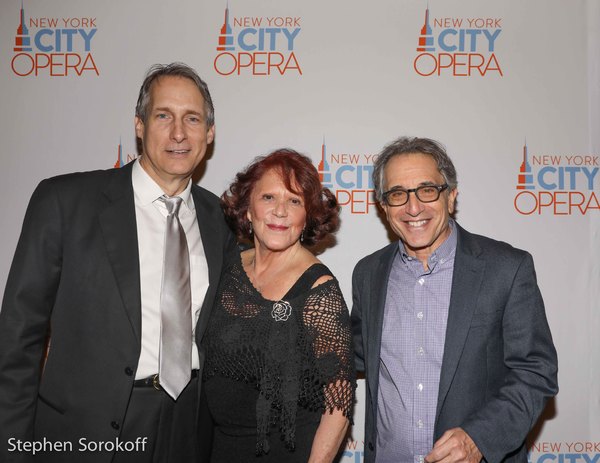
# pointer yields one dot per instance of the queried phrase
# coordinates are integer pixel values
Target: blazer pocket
(486, 318)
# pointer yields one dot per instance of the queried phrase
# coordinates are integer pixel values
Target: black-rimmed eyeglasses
(425, 193)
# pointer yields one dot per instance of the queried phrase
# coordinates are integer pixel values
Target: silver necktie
(175, 355)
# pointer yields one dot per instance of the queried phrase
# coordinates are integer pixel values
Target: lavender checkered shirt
(412, 347)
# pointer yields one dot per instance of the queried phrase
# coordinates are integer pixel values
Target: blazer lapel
(379, 285)
(466, 284)
(212, 242)
(118, 225)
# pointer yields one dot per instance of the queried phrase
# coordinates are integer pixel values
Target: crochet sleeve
(326, 317)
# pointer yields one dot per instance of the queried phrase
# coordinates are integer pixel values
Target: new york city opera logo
(557, 184)
(258, 45)
(351, 454)
(122, 158)
(564, 452)
(458, 46)
(349, 177)
(54, 46)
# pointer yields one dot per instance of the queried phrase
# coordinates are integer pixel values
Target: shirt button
(420, 351)
(419, 424)
(128, 371)
(115, 425)
(421, 281)
(420, 387)
(420, 315)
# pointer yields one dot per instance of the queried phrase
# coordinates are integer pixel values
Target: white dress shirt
(151, 216)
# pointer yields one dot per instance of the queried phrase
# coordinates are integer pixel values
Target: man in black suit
(449, 327)
(88, 269)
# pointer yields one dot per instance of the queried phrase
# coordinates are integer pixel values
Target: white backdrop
(345, 77)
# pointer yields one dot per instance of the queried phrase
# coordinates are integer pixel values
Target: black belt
(154, 381)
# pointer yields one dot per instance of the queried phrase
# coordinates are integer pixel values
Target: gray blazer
(499, 366)
(76, 271)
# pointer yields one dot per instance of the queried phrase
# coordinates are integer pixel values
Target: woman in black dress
(279, 373)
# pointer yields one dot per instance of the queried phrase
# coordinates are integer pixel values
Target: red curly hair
(322, 209)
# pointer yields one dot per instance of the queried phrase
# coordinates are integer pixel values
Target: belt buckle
(156, 382)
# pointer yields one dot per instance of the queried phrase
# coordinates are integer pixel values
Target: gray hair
(177, 70)
(408, 145)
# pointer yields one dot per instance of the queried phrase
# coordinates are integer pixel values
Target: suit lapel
(466, 283)
(213, 250)
(118, 225)
(379, 284)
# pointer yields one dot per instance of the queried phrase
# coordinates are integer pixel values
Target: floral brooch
(281, 311)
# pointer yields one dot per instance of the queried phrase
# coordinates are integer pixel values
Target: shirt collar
(442, 254)
(147, 191)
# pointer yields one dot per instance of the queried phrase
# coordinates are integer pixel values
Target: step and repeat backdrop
(511, 88)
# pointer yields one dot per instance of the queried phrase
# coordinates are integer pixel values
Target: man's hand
(455, 445)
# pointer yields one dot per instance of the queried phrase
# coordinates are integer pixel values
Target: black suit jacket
(499, 365)
(76, 270)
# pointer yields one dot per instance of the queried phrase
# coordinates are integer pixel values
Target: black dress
(274, 367)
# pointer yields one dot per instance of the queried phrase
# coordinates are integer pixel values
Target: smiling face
(278, 215)
(175, 134)
(422, 227)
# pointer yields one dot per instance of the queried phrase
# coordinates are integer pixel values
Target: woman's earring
(250, 227)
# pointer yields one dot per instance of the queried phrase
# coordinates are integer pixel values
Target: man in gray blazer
(88, 270)
(449, 327)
